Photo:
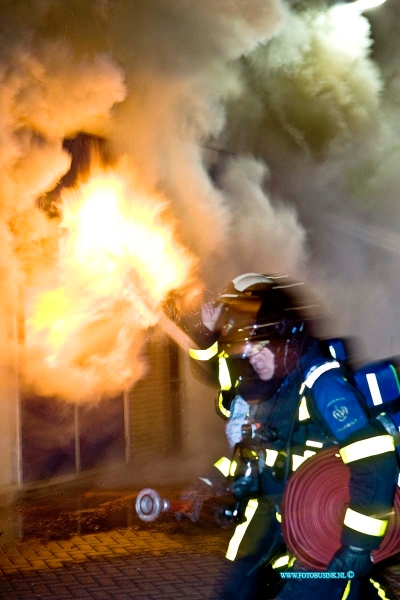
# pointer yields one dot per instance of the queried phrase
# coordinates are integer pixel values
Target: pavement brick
(54, 564)
(176, 562)
(5, 562)
(101, 595)
(49, 575)
(59, 590)
(104, 581)
(66, 578)
(80, 593)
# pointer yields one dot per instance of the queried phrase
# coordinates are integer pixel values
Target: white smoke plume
(315, 81)
(179, 63)
(323, 114)
(264, 235)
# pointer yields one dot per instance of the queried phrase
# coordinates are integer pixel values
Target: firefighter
(284, 399)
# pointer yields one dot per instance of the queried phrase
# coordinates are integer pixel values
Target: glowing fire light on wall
(118, 261)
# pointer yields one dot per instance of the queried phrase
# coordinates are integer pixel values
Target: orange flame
(118, 262)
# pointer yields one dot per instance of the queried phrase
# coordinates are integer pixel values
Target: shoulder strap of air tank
(315, 371)
(310, 375)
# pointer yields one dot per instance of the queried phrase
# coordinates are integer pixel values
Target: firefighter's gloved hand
(195, 497)
(349, 558)
(233, 426)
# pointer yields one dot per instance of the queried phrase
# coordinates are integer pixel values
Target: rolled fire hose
(313, 508)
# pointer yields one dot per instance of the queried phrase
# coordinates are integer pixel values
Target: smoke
(323, 114)
(46, 95)
(268, 235)
(153, 79)
(267, 132)
(179, 60)
(315, 83)
(48, 91)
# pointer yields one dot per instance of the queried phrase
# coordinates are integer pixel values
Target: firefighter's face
(262, 360)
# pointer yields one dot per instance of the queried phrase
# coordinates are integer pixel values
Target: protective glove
(233, 426)
(349, 558)
(194, 498)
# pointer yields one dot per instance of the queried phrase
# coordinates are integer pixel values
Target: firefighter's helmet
(262, 309)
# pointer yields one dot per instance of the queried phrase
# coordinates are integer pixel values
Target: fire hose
(313, 508)
(149, 505)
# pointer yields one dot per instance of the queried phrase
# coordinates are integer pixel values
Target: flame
(119, 260)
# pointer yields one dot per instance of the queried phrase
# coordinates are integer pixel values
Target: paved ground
(90, 544)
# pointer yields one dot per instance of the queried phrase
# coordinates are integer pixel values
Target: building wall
(9, 451)
(168, 413)
(155, 422)
(203, 431)
(172, 412)
(9, 406)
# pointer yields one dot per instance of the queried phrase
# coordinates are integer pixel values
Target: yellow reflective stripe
(303, 410)
(224, 375)
(223, 465)
(346, 590)
(224, 411)
(314, 444)
(204, 354)
(318, 371)
(297, 459)
(241, 529)
(270, 457)
(232, 468)
(381, 591)
(278, 517)
(308, 453)
(364, 524)
(282, 561)
(369, 447)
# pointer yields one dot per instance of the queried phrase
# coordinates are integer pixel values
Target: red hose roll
(313, 509)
